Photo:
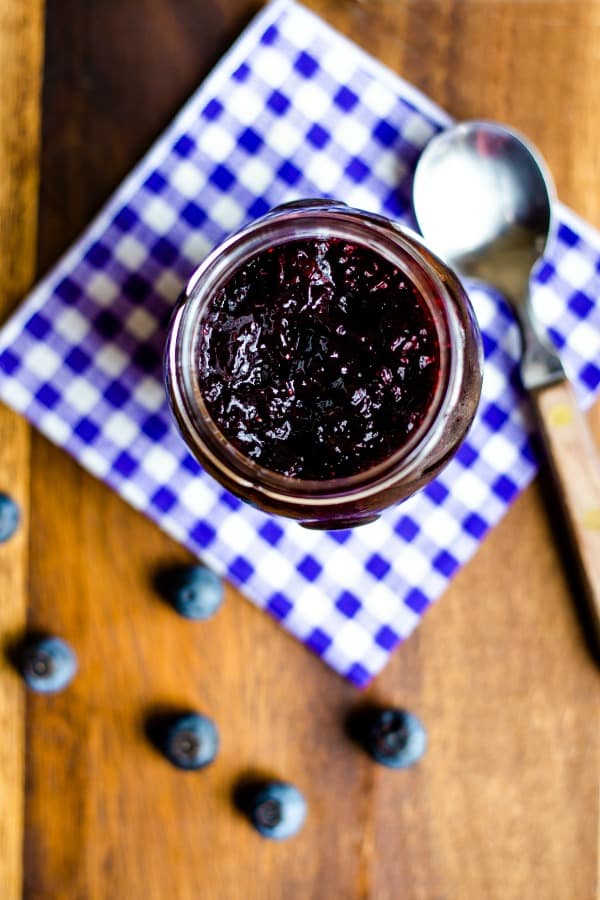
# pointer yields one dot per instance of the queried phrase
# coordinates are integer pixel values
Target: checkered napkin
(293, 110)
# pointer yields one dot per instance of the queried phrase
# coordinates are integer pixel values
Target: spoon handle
(575, 466)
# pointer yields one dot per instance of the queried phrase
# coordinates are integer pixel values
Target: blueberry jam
(318, 359)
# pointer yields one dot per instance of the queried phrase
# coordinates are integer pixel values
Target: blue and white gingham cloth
(293, 110)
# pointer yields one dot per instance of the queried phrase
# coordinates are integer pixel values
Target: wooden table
(505, 805)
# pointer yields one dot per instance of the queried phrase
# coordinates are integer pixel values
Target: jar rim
(282, 225)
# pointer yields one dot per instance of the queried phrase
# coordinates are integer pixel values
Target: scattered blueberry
(48, 665)
(194, 591)
(9, 517)
(276, 809)
(191, 741)
(393, 737)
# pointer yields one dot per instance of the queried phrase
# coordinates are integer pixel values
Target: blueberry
(276, 809)
(393, 737)
(48, 665)
(194, 591)
(9, 517)
(191, 741)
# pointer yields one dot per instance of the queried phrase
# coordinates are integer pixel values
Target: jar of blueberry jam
(322, 364)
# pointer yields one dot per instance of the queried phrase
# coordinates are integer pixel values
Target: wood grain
(21, 43)
(505, 805)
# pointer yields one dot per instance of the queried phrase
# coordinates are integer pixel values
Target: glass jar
(361, 497)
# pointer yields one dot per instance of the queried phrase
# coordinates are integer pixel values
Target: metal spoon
(483, 200)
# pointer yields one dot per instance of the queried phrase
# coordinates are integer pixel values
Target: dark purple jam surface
(318, 359)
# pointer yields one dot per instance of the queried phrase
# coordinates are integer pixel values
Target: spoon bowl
(483, 199)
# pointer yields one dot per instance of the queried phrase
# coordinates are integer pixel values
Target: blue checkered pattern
(293, 110)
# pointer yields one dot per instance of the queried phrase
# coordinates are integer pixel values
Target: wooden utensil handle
(575, 465)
